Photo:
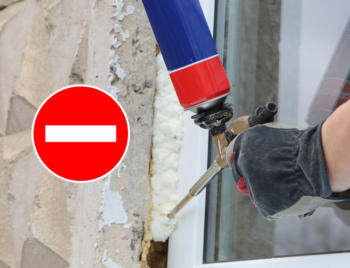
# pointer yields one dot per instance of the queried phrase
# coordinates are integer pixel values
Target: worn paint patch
(118, 36)
(112, 210)
(108, 262)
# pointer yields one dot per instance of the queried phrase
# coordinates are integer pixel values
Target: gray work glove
(282, 170)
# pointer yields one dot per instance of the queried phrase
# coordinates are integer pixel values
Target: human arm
(284, 171)
(336, 147)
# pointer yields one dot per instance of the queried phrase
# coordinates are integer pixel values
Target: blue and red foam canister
(189, 52)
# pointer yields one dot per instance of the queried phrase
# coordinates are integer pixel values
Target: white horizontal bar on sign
(81, 133)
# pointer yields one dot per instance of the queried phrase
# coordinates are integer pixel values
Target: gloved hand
(282, 170)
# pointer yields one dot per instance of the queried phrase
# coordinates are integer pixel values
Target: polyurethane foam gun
(199, 78)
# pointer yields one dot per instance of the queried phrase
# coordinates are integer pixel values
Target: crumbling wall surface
(46, 45)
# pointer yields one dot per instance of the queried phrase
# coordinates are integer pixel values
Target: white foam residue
(109, 263)
(167, 143)
(112, 210)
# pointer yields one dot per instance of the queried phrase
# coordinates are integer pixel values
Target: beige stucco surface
(46, 45)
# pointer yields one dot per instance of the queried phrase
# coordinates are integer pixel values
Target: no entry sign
(80, 133)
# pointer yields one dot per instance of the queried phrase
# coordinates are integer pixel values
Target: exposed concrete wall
(46, 45)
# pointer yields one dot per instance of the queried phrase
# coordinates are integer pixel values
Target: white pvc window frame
(186, 243)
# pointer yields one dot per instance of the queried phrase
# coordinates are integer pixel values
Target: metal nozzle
(197, 187)
(180, 205)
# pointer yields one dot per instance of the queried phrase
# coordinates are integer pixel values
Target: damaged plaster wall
(46, 45)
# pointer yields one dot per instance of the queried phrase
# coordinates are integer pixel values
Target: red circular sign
(80, 133)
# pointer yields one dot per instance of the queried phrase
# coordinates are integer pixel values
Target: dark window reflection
(280, 51)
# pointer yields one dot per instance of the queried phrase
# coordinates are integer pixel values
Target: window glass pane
(295, 53)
